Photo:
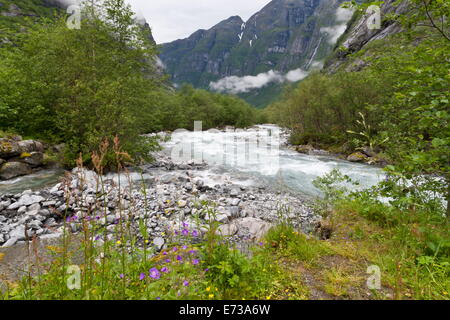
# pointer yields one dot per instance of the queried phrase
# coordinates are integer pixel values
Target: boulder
(34, 159)
(305, 149)
(357, 157)
(11, 170)
(227, 230)
(30, 146)
(9, 148)
(257, 228)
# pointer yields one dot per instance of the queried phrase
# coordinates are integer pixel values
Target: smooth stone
(10, 242)
(159, 243)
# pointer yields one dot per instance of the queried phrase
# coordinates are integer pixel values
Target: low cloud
(235, 85)
(343, 16)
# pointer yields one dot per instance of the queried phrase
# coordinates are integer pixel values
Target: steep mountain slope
(358, 36)
(284, 35)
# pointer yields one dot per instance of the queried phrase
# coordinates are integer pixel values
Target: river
(256, 156)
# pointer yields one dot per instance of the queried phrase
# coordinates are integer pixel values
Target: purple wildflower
(175, 249)
(121, 275)
(193, 252)
(195, 261)
(97, 238)
(185, 283)
(154, 273)
(195, 233)
(165, 270)
(207, 269)
(185, 232)
(185, 247)
(179, 258)
(167, 261)
(261, 244)
(142, 276)
(165, 253)
(185, 225)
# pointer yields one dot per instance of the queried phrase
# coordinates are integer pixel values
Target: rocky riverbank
(20, 157)
(169, 197)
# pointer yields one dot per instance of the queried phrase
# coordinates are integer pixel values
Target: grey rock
(32, 213)
(11, 170)
(18, 232)
(50, 222)
(27, 200)
(234, 192)
(22, 210)
(34, 207)
(227, 230)
(222, 218)
(159, 243)
(10, 242)
(51, 203)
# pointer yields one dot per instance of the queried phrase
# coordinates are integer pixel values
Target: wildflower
(261, 244)
(185, 283)
(192, 251)
(167, 261)
(268, 297)
(146, 241)
(185, 247)
(179, 258)
(121, 276)
(165, 270)
(195, 233)
(195, 262)
(97, 238)
(154, 273)
(142, 276)
(158, 298)
(119, 242)
(165, 253)
(207, 269)
(185, 225)
(175, 249)
(211, 296)
(208, 289)
(185, 232)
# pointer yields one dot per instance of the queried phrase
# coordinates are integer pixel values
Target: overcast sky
(177, 19)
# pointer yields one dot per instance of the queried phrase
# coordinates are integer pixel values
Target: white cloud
(236, 84)
(343, 16)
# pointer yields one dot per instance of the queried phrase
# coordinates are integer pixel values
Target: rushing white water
(258, 156)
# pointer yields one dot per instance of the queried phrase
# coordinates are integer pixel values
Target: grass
(409, 248)
(287, 265)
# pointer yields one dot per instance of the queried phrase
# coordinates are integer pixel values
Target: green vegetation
(397, 105)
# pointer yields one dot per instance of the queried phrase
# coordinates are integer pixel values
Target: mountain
(14, 14)
(358, 36)
(285, 35)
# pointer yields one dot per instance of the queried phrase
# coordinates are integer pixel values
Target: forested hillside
(67, 83)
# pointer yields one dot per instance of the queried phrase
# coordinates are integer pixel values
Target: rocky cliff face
(358, 36)
(284, 35)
